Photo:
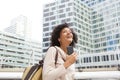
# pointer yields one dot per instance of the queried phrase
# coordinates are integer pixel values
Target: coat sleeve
(50, 72)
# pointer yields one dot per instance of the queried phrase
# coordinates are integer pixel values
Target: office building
(16, 52)
(20, 25)
(91, 2)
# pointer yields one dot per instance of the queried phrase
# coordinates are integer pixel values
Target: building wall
(106, 26)
(16, 52)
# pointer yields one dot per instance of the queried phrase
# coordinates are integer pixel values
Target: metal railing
(99, 75)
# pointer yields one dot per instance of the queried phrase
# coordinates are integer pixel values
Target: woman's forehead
(66, 28)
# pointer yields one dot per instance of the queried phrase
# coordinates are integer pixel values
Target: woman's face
(66, 36)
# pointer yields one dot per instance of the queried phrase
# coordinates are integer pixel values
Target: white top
(58, 71)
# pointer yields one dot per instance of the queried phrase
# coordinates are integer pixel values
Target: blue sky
(32, 9)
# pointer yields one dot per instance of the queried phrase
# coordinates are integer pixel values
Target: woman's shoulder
(51, 48)
(51, 51)
(54, 47)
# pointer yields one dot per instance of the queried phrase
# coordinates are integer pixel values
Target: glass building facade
(16, 52)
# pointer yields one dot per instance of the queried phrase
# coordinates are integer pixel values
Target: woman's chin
(70, 41)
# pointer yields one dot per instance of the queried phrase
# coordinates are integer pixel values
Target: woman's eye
(64, 31)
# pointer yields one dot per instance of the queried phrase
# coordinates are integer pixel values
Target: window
(62, 6)
(53, 23)
(70, 14)
(46, 10)
(61, 11)
(46, 24)
(46, 14)
(111, 42)
(112, 57)
(45, 39)
(52, 18)
(69, 4)
(46, 44)
(67, 9)
(68, 19)
(62, 15)
(117, 56)
(53, 8)
(46, 19)
(45, 29)
(51, 13)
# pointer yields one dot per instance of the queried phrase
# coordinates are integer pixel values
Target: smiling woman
(62, 66)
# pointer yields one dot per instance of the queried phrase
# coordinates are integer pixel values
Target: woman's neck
(64, 48)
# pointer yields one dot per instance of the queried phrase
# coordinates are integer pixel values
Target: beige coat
(58, 72)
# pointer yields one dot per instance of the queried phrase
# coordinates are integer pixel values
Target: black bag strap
(56, 56)
(31, 72)
(41, 62)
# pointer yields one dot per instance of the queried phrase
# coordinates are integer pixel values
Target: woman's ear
(59, 39)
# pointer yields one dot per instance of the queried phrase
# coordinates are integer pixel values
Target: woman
(62, 36)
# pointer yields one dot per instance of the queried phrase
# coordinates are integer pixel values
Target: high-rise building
(20, 26)
(97, 27)
(91, 3)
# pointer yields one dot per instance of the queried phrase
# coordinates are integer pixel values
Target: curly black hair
(56, 34)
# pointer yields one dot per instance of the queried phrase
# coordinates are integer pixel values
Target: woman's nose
(69, 32)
